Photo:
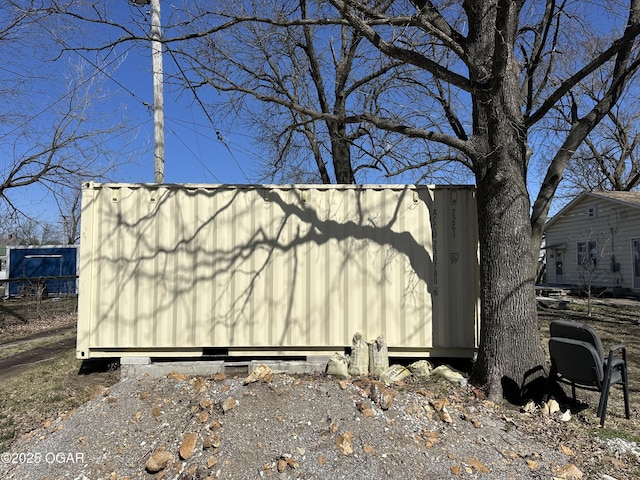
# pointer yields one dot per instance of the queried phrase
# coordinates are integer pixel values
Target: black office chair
(577, 358)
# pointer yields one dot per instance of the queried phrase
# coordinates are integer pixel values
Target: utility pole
(158, 99)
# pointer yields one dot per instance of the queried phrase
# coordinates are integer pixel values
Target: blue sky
(198, 149)
(193, 153)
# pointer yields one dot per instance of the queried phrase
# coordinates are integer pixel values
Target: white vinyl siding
(610, 230)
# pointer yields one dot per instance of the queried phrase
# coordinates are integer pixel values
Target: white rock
(450, 374)
(530, 407)
(553, 406)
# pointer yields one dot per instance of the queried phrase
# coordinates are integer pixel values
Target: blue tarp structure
(35, 263)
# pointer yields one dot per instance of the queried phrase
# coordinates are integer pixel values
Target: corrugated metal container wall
(42, 261)
(175, 270)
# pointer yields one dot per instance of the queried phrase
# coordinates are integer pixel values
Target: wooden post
(158, 100)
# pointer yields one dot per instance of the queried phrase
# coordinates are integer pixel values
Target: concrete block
(135, 360)
(162, 369)
(290, 366)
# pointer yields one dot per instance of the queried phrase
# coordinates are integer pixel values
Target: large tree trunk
(510, 345)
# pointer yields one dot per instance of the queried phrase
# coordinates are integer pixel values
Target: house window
(588, 253)
(592, 211)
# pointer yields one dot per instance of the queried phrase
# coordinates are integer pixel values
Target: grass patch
(7, 430)
(608, 433)
(45, 391)
(34, 344)
(616, 324)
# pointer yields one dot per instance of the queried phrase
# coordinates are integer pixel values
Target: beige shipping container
(190, 270)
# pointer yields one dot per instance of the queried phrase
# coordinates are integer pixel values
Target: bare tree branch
(618, 46)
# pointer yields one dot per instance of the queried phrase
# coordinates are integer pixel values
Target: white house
(595, 241)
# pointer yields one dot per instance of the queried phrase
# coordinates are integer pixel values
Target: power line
(52, 104)
(195, 156)
(94, 65)
(219, 136)
(109, 76)
(194, 126)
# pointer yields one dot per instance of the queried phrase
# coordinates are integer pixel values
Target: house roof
(629, 199)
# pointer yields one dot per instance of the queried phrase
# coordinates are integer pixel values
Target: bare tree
(295, 83)
(507, 70)
(69, 207)
(54, 134)
(21, 230)
(593, 254)
(609, 160)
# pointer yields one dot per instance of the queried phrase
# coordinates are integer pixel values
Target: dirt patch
(40, 334)
(31, 331)
(13, 364)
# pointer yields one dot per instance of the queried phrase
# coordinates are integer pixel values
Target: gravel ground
(311, 427)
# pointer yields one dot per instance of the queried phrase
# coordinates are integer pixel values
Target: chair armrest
(611, 361)
(614, 363)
